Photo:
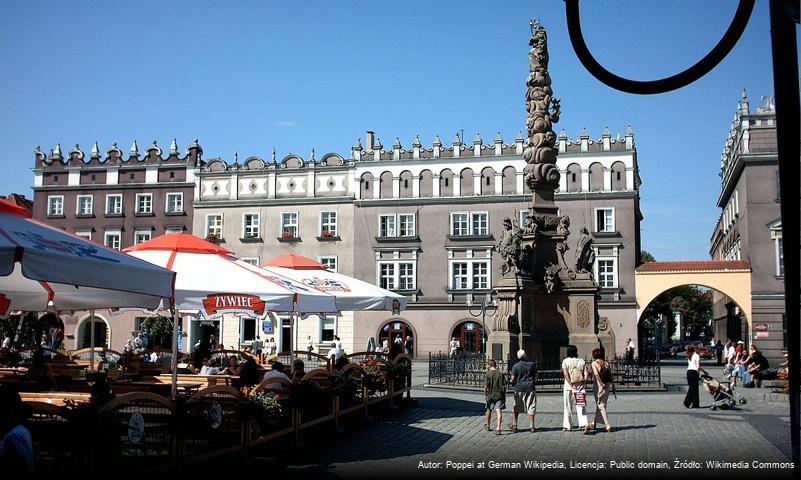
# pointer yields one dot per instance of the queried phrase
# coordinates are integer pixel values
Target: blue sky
(248, 77)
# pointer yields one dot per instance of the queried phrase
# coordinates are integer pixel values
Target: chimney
(370, 140)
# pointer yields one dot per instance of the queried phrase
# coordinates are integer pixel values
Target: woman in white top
(691, 400)
(574, 370)
(454, 346)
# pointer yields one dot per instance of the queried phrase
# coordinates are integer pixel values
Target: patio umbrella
(211, 282)
(350, 294)
(45, 268)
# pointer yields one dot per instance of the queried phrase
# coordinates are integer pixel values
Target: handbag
(581, 399)
(576, 375)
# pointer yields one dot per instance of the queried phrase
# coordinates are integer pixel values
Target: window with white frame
(142, 235)
(214, 225)
(174, 230)
(175, 202)
(289, 224)
(114, 204)
(397, 275)
(329, 262)
(606, 272)
(470, 274)
(387, 226)
(459, 277)
(251, 260)
(113, 239)
(406, 225)
(84, 205)
(480, 275)
(327, 324)
(469, 223)
(328, 224)
(144, 203)
(459, 225)
(251, 225)
(84, 233)
(55, 205)
(604, 219)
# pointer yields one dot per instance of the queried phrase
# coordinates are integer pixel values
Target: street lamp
(485, 308)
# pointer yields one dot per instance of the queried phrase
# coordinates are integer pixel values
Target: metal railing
(469, 369)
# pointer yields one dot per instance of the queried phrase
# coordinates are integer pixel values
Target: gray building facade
(749, 228)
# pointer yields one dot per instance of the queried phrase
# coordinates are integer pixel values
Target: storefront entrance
(392, 330)
(469, 336)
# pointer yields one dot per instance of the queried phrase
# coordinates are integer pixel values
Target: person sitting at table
(276, 371)
(16, 446)
(40, 372)
(185, 365)
(248, 376)
(233, 367)
(5, 357)
(209, 369)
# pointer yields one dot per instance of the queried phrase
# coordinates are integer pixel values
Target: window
(523, 217)
(469, 223)
(251, 260)
(459, 277)
(778, 245)
(459, 224)
(252, 225)
(397, 275)
(480, 275)
(112, 239)
(55, 205)
(214, 224)
(607, 273)
(386, 226)
(406, 276)
(406, 225)
(175, 202)
(386, 276)
(328, 224)
(397, 225)
(329, 262)
(144, 203)
(174, 230)
(289, 224)
(84, 233)
(142, 235)
(604, 219)
(114, 204)
(84, 205)
(327, 323)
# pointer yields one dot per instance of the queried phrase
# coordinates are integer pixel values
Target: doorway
(469, 335)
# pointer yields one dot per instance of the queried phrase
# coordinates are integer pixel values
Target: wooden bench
(204, 380)
(54, 398)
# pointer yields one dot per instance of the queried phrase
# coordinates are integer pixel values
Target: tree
(645, 256)
(693, 302)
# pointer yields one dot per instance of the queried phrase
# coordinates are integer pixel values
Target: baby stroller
(723, 394)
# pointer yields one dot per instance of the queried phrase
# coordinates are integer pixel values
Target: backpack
(605, 373)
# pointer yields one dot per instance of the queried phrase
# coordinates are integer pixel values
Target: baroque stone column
(544, 304)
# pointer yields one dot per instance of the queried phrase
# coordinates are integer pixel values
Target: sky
(250, 76)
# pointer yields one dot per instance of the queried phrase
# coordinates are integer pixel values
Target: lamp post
(484, 308)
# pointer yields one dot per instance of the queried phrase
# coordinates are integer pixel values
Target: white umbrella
(42, 267)
(351, 294)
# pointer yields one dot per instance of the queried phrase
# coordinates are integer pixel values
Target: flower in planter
(287, 234)
(327, 233)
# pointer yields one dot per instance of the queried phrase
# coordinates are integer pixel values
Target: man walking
(524, 374)
(630, 351)
(495, 395)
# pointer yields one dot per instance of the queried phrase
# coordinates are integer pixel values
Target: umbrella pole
(92, 340)
(174, 363)
(292, 340)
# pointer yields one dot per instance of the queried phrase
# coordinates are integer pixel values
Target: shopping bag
(581, 399)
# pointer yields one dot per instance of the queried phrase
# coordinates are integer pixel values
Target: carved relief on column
(583, 314)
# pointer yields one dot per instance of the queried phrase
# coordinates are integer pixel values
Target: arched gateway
(731, 278)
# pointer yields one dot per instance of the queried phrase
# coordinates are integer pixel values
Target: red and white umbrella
(210, 280)
(350, 293)
(43, 267)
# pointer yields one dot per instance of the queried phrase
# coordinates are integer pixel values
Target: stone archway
(83, 332)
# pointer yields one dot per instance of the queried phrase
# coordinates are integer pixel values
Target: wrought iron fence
(469, 370)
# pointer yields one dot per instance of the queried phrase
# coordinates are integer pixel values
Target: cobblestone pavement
(652, 427)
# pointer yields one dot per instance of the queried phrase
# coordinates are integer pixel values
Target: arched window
(469, 336)
(366, 185)
(83, 334)
(426, 183)
(386, 185)
(509, 183)
(488, 181)
(467, 182)
(618, 176)
(406, 188)
(574, 177)
(596, 177)
(446, 183)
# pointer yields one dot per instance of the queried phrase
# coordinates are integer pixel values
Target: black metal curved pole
(710, 61)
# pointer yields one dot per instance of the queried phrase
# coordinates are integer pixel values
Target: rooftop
(695, 266)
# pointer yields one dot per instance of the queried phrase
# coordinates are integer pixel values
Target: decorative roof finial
(477, 140)
(134, 149)
(437, 141)
(174, 147)
(273, 154)
(397, 143)
(312, 155)
(416, 142)
(95, 153)
(57, 150)
(498, 138)
(358, 145)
